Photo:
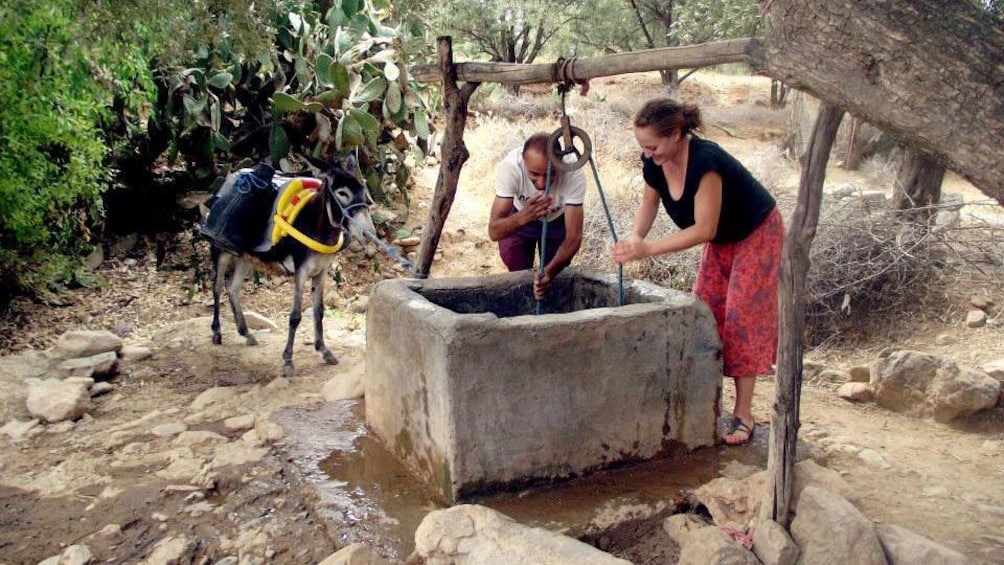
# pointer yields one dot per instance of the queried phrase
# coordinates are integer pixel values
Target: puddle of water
(364, 494)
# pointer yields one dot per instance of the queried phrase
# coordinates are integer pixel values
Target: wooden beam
(691, 56)
(791, 318)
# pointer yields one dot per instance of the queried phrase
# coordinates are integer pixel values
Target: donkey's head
(345, 196)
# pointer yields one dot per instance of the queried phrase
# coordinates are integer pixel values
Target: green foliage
(512, 31)
(614, 25)
(51, 150)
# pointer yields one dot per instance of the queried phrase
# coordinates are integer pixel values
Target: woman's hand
(631, 249)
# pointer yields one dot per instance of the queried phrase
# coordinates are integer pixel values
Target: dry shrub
(872, 264)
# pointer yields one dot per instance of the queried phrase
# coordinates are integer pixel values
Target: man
(520, 204)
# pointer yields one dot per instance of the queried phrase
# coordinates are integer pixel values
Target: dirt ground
(61, 484)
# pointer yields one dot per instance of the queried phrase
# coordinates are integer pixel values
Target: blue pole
(543, 234)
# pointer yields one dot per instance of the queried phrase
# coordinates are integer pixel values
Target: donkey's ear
(350, 165)
(316, 165)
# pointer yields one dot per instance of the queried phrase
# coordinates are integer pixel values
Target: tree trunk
(852, 161)
(927, 71)
(791, 317)
(918, 183)
(454, 155)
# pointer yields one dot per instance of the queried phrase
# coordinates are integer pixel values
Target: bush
(51, 152)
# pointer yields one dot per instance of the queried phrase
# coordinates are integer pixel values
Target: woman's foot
(739, 432)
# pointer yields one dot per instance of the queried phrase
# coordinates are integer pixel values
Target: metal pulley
(562, 143)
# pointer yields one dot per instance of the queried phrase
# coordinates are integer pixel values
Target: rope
(613, 232)
(387, 249)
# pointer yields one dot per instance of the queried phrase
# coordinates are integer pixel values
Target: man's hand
(631, 249)
(536, 207)
(540, 284)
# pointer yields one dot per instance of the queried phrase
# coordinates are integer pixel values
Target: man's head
(536, 161)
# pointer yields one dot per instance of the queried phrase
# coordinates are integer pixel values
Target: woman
(715, 201)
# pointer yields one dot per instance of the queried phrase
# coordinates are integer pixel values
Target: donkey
(339, 206)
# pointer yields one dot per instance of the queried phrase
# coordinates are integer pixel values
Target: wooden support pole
(453, 155)
(791, 317)
(689, 57)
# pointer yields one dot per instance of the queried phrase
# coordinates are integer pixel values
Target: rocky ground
(182, 455)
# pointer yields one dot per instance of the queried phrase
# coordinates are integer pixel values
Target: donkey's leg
(317, 297)
(294, 321)
(221, 263)
(241, 271)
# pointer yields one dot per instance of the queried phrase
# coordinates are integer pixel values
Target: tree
(506, 31)
(629, 25)
(926, 71)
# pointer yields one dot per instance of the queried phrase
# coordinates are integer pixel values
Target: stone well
(475, 393)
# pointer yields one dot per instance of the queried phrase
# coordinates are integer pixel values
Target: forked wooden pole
(453, 153)
(791, 318)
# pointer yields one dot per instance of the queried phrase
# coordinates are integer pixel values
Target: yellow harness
(294, 197)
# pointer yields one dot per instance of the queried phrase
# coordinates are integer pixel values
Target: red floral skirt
(738, 281)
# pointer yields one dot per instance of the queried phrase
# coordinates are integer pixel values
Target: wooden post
(453, 155)
(791, 317)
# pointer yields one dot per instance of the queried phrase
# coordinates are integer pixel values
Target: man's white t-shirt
(513, 181)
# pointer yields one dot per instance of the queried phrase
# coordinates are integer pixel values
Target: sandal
(737, 425)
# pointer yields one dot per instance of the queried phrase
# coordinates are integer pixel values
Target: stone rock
(874, 459)
(981, 302)
(55, 401)
(199, 437)
(833, 376)
(732, 503)
(212, 396)
(85, 343)
(17, 429)
(169, 551)
(995, 369)
(713, 546)
(101, 388)
(239, 423)
(257, 321)
(135, 353)
(946, 339)
(772, 544)
(860, 374)
(976, 319)
(811, 369)
(735, 503)
(924, 385)
(903, 547)
(109, 532)
(99, 365)
(680, 526)
(76, 555)
(346, 385)
(469, 534)
(360, 304)
(355, 554)
(236, 454)
(809, 473)
(856, 391)
(181, 469)
(169, 429)
(828, 529)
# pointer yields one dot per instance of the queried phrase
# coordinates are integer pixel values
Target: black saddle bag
(239, 214)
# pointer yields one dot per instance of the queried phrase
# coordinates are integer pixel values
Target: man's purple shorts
(519, 248)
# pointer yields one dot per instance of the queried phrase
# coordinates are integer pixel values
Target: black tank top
(745, 202)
